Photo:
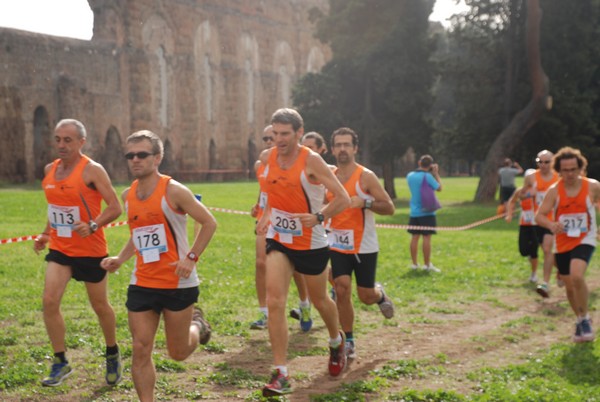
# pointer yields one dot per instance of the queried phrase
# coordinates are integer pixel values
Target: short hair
(425, 161)
(507, 162)
(139, 136)
(319, 140)
(569, 153)
(345, 131)
(288, 116)
(81, 132)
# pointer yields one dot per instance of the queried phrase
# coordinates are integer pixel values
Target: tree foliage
(378, 81)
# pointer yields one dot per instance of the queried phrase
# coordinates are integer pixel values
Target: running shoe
(586, 334)
(114, 369)
(431, 268)
(305, 320)
(337, 357)
(261, 323)
(350, 350)
(543, 290)
(386, 306)
(295, 313)
(199, 320)
(58, 373)
(533, 278)
(332, 294)
(414, 267)
(279, 385)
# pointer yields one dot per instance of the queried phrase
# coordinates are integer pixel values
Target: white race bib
(285, 225)
(539, 197)
(150, 241)
(574, 224)
(62, 219)
(341, 239)
(262, 200)
(527, 216)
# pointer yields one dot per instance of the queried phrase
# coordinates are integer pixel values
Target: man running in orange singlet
(573, 199)
(353, 239)
(535, 186)
(164, 280)
(295, 183)
(75, 187)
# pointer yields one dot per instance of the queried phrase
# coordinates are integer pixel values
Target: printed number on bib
(283, 223)
(574, 224)
(539, 197)
(150, 241)
(527, 216)
(62, 219)
(341, 239)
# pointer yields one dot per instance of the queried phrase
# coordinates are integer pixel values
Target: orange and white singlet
(290, 191)
(527, 216)
(66, 206)
(262, 196)
(353, 230)
(541, 186)
(578, 216)
(159, 235)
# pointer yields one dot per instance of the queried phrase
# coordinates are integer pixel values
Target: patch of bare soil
(487, 334)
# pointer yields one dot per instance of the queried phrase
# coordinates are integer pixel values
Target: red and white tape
(233, 211)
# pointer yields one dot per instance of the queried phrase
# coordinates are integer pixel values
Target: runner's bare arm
(545, 208)
(318, 170)
(382, 203)
(183, 199)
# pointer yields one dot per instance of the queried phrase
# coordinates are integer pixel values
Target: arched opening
(113, 160)
(252, 155)
(42, 141)
(167, 166)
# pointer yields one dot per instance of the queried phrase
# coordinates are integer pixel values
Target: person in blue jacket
(429, 172)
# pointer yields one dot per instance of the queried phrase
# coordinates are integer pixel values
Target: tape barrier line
(233, 211)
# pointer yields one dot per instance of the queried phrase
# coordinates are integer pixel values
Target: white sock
(335, 342)
(304, 303)
(264, 310)
(283, 370)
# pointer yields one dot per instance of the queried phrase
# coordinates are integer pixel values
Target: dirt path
(513, 324)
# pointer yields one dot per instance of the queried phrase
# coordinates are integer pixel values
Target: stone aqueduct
(205, 75)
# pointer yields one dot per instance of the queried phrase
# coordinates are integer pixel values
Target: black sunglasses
(267, 138)
(140, 155)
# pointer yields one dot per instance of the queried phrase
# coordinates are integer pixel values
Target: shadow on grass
(580, 366)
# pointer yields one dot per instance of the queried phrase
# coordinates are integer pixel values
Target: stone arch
(159, 46)
(112, 158)
(316, 60)
(285, 68)
(12, 140)
(42, 141)
(249, 60)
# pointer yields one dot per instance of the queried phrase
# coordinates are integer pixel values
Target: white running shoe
(431, 268)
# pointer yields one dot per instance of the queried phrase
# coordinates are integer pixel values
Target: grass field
(475, 332)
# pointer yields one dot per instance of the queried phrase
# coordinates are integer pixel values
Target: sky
(74, 19)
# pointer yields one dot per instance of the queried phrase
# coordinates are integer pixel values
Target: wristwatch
(368, 203)
(320, 217)
(193, 256)
(93, 226)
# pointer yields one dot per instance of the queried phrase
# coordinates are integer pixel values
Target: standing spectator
(164, 280)
(573, 199)
(429, 172)
(507, 174)
(75, 187)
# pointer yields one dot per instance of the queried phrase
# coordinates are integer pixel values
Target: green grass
(481, 272)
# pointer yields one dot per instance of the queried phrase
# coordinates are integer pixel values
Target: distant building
(205, 75)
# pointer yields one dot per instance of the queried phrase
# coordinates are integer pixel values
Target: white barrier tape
(232, 211)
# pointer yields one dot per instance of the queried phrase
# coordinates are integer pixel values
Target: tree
(511, 136)
(378, 80)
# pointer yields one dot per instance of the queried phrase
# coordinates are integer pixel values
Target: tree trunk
(508, 140)
(388, 178)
